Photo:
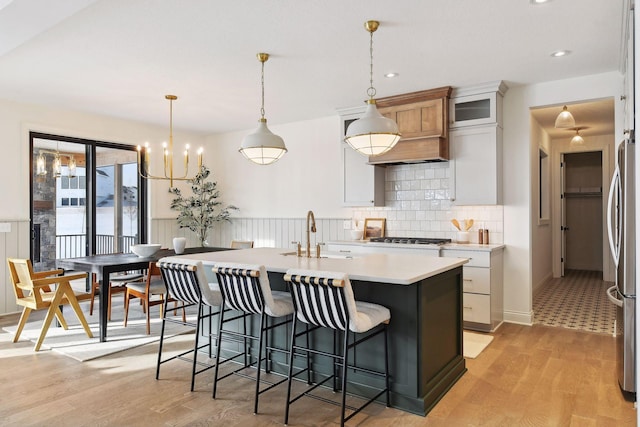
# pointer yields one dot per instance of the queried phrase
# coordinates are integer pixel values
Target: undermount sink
(325, 255)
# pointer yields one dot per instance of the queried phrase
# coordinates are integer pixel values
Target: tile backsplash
(417, 203)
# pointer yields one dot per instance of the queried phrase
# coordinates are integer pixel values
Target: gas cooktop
(411, 240)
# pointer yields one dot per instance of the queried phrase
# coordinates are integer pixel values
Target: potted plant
(203, 209)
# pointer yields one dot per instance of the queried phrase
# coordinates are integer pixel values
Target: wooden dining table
(105, 264)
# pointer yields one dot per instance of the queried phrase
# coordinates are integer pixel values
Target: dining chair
(151, 286)
(325, 300)
(246, 289)
(33, 291)
(241, 244)
(117, 285)
(187, 284)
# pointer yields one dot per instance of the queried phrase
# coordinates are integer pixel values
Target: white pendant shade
(577, 140)
(262, 146)
(565, 120)
(372, 134)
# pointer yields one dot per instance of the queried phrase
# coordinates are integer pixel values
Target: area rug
(75, 343)
(474, 344)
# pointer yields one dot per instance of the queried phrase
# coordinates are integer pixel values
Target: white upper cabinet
(475, 144)
(362, 183)
(629, 88)
(476, 105)
(473, 110)
(476, 165)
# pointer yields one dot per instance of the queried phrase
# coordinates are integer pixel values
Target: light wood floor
(528, 376)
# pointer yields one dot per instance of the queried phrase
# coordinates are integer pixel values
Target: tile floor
(576, 301)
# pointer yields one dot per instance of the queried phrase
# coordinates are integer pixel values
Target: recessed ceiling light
(559, 53)
(539, 1)
(391, 75)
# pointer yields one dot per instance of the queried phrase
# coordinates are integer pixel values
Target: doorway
(86, 198)
(573, 236)
(582, 205)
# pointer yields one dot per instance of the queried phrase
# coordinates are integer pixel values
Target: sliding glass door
(86, 198)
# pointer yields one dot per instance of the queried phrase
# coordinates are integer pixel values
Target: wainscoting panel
(13, 244)
(265, 232)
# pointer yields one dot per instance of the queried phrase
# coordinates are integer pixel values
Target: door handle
(612, 298)
(613, 189)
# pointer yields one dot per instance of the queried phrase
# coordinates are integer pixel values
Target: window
(100, 210)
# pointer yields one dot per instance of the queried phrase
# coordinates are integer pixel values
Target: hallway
(576, 301)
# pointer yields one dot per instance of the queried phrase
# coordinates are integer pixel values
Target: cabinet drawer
(476, 280)
(476, 258)
(476, 308)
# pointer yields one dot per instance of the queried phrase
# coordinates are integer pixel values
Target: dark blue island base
(425, 339)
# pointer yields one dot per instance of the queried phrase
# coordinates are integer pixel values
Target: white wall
(541, 243)
(305, 178)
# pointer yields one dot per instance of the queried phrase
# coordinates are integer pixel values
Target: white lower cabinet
(482, 277)
(482, 285)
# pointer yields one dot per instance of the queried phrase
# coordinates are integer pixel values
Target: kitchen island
(424, 295)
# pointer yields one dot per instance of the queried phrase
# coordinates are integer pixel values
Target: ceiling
(592, 118)
(120, 57)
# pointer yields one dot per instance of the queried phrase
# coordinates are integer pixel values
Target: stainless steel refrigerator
(621, 228)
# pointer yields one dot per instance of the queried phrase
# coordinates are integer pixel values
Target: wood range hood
(423, 122)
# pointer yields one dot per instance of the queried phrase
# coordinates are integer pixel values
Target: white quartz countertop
(453, 245)
(386, 268)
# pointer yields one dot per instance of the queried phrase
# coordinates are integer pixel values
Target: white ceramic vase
(178, 244)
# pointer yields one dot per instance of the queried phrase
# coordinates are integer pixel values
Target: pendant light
(577, 139)
(41, 165)
(57, 166)
(372, 134)
(71, 167)
(262, 146)
(565, 119)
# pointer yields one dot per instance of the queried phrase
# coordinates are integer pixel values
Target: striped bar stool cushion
(181, 276)
(325, 300)
(250, 299)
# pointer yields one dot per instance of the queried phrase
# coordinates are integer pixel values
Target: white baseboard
(519, 317)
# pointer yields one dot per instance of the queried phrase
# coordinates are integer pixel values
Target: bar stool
(325, 300)
(187, 284)
(246, 289)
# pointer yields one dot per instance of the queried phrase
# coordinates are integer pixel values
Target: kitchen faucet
(311, 229)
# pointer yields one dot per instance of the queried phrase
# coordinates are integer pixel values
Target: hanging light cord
(371, 91)
(262, 83)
